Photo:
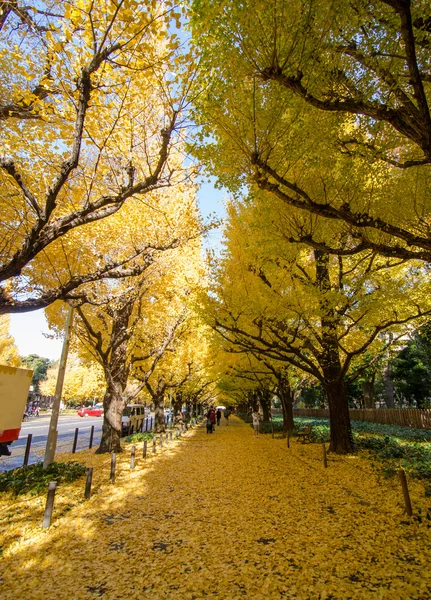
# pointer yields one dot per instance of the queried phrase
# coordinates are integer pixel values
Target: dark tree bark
(285, 394)
(116, 368)
(158, 397)
(389, 386)
(178, 405)
(333, 375)
(265, 402)
(368, 392)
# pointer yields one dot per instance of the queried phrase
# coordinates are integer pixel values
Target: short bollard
(407, 501)
(132, 458)
(90, 443)
(170, 435)
(161, 441)
(154, 445)
(27, 450)
(75, 440)
(144, 450)
(167, 438)
(325, 460)
(49, 505)
(113, 465)
(88, 482)
(288, 440)
(272, 429)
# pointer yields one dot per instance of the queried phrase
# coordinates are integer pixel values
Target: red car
(91, 411)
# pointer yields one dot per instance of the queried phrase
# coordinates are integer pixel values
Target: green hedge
(35, 479)
(139, 437)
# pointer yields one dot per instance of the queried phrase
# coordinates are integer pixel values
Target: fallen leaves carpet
(221, 516)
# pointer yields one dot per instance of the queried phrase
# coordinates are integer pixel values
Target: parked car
(129, 416)
(91, 411)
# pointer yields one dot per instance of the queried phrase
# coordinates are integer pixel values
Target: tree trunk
(113, 406)
(341, 441)
(286, 398)
(368, 392)
(329, 360)
(116, 369)
(389, 386)
(177, 404)
(265, 403)
(159, 407)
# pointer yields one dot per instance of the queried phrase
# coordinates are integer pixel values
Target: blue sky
(28, 328)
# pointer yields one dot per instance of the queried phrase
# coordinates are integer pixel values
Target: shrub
(35, 479)
(139, 437)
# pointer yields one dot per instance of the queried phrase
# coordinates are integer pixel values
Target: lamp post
(52, 433)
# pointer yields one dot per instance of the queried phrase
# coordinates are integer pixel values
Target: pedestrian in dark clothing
(211, 417)
(218, 416)
(209, 425)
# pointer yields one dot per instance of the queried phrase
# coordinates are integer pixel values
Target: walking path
(224, 516)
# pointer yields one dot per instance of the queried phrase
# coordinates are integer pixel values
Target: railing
(406, 417)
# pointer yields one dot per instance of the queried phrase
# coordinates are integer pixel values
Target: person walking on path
(209, 425)
(211, 419)
(227, 413)
(218, 416)
(256, 420)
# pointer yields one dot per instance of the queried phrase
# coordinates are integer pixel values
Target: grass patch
(390, 447)
(139, 437)
(34, 479)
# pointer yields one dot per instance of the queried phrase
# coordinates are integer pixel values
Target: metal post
(144, 451)
(27, 450)
(407, 501)
(88, 481)
(75, 440)
(154, 445)
(90, 443)
(132, 458)
(325, 462)
(113, 465)
(49, 505)
(51, 441)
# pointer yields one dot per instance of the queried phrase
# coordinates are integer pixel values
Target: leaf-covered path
(224, 516)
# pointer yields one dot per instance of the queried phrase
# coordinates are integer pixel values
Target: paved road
(38, 426)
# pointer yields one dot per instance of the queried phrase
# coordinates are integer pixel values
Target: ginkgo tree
(318, 312)
(183, 362)
(93, 106)
(136, 318)
(277, 74)
(8, 350)
(83, 381)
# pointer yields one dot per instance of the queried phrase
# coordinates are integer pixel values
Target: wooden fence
(406, 417)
